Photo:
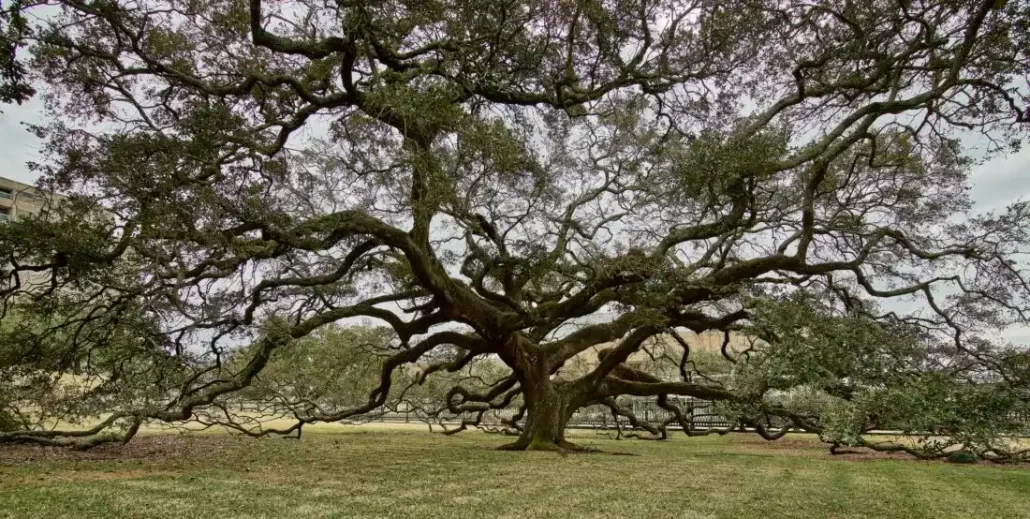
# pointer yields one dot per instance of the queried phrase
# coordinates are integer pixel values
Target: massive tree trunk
(546, 415)
(549, 405)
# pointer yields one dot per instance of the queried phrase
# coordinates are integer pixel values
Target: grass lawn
(377, 472)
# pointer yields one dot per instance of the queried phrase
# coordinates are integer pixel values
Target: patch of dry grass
(385, 472)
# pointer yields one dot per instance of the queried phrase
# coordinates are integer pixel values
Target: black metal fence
(700, 414)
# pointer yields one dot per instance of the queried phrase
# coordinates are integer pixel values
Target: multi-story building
(18, 199)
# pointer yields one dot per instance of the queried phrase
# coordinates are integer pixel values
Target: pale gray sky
(17, 145)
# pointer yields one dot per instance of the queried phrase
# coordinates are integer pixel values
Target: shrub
(962, 457)
(7, 422)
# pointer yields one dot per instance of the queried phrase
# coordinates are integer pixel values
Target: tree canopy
(525, 180)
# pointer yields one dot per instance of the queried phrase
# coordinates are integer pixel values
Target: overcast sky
(995, 184)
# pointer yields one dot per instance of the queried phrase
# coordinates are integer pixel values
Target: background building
(18, 199)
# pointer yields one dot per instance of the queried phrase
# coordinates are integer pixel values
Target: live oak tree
(524, 180)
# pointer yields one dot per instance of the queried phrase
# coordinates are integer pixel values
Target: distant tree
(73, 352)
(846, 376)
(456, 389)
(326, 372)
(525, 180)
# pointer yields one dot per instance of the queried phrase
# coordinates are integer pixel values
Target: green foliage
(74, 342)
(72, 374)
(834, 353)
(965, 457)
(7, 422)
(852, 375)
(843, 424)
(977, 416)
(427, 396)
(15, 86)
(334, 368)
(713, 162)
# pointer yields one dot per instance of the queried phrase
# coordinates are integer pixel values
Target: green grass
(382, 473)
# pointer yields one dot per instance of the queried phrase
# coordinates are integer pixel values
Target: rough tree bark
(549, 404)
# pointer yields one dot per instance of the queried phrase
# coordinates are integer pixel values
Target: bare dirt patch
(787, 442)
(151, 448)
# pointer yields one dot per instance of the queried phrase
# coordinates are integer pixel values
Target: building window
(5, 193)
(5, 214)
